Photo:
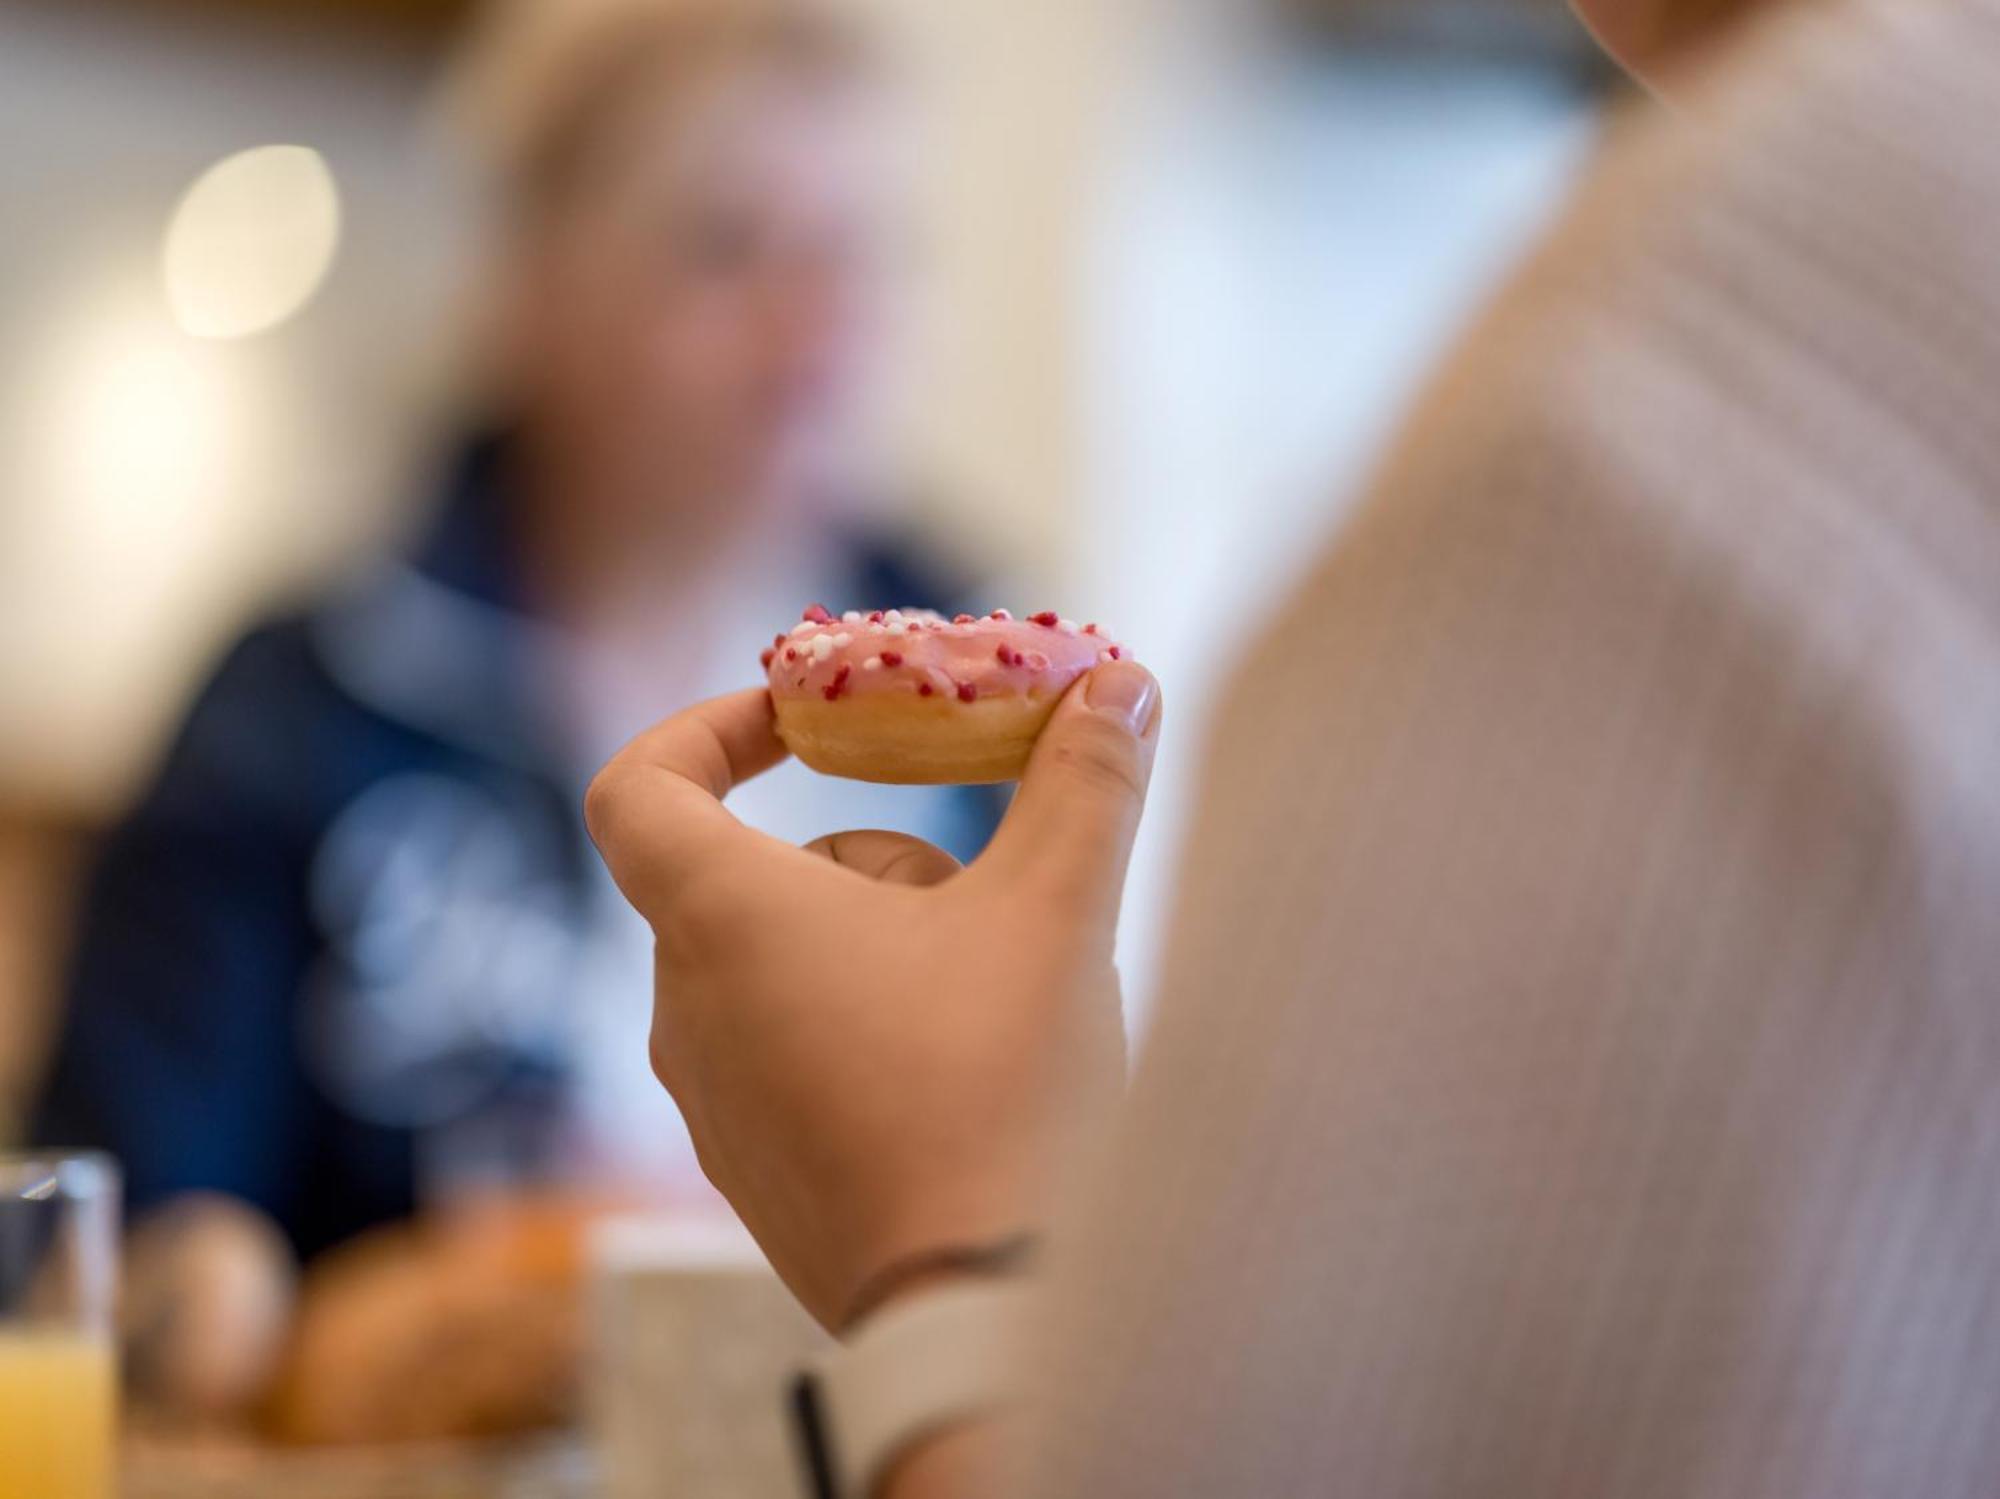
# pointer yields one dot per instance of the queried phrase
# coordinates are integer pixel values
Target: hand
(876, 1051)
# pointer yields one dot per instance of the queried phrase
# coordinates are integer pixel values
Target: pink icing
(868, 654)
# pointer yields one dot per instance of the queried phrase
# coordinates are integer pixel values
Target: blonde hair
(540, 79)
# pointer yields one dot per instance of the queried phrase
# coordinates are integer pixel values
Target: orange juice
(58, 1415)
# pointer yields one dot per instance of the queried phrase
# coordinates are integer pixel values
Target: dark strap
(1002, 1258)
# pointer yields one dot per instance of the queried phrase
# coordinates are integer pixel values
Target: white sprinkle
(1106, 631)
(897, 627)
(893, 616)
(806, 627)
(873, 663)
(1105, 658)
(851, 617)
(1066, 626)
(842, 641)
(822, 648)
(878, 629)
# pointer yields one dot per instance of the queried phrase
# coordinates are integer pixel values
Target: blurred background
(1109, 315)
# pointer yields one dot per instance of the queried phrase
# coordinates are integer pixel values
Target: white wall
(1282, 254)
(1015, 102)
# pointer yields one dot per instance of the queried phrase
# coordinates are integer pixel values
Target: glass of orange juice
(58, 1367)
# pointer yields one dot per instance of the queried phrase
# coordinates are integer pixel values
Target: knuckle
(709, 913)
(670, 1062)
(1102, 761)
(661, 1055)
(603, 801)
(706, 1158)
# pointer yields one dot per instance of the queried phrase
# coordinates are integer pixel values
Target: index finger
(656, 809)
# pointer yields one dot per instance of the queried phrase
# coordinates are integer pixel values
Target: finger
(1071, 826)
(892, 858)
(716, 745)
(656, 810)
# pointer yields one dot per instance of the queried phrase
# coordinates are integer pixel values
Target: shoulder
(272, 658)
(1788, 276)
(269, 738)
(1752, 364)
(1722, 453)
(261, 697)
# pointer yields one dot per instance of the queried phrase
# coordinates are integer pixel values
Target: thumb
(1069, 831)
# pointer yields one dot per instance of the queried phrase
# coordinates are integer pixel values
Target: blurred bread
(208, 1290)
(466, 1329)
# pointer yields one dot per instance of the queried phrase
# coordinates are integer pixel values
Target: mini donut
(909, 698)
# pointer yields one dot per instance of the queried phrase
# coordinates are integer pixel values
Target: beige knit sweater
(1579, 1070)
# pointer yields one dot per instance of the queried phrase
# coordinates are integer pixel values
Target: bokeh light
(251, 241)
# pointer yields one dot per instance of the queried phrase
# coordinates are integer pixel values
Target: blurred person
(1575, 1073)
(350, 956)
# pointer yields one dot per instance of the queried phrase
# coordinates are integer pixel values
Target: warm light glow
(146, 431)
(138, 501)
(251, 241)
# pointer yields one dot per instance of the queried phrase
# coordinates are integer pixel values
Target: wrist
(891, 1410)
(924, 1269)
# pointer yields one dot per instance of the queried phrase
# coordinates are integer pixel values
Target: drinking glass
(58, 1365)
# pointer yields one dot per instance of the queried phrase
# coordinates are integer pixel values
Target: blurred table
(559, 1468)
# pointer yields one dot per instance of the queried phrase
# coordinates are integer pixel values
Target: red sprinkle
(961, 619)
(767, 658)
(999, 614)
(777, 640)
(1046, 619)
(924, 689)
(839, 682)
(1007, 656)
(892, 658)
(875, 617)
(1115, 654)
(817, 615)
(967, 692)
(1090, 629)
(791, 653)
